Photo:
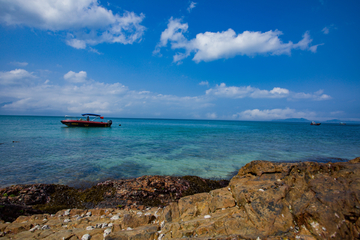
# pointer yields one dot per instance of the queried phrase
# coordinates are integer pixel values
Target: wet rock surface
(265, 200)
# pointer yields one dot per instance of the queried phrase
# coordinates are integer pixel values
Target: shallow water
(42, 150)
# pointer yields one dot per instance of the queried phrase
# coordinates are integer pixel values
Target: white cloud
(173, 33)
(76, 43)
(85, 21)
(337, 113)
(211, 116)
(77, 95)
(325, 30)
(19, 64)
(204, 83)
(318, 96)
(246, 91)
(92, 96)
(191, 6)
(211, 46)
(270, 114)
(16, 76)
(74, 77)
(224, 91)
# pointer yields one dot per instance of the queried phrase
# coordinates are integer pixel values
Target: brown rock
(18, 227)
(221, 198)
(148, 232)
(133, 221)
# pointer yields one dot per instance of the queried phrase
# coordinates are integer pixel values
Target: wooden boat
(315, 123)
(86, 121)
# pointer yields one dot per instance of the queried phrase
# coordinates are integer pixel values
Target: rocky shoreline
(265, 200)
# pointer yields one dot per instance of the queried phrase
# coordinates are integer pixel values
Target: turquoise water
(42, 150)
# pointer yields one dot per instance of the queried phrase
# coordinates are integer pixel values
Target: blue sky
(233, 60)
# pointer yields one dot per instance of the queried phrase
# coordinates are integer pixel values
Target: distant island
(292, 120)
(306, 120)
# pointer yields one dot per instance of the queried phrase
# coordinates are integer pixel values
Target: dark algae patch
(136, 193)
(65, 197)
(200, 185)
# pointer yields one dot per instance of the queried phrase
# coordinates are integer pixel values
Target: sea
(38, 149)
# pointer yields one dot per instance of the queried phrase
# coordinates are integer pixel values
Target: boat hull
(77, 123)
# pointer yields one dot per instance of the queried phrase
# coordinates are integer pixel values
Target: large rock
(274, 200)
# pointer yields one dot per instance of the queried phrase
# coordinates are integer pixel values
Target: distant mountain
(333, 121)
(292, 120)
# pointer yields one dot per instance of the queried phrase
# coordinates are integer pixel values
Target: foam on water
(45, 151)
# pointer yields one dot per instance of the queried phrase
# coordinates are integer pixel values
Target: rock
(296, 200)
(266, 200)
(141, 233)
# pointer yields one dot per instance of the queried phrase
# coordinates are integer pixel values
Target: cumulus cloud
(16, 76)
(210, 46)
(86, 22)
(173, 33)
(191, 6)
(74, 77)
(270, 114)
(224, 91)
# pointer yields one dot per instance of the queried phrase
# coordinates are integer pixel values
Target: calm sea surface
(42, 150)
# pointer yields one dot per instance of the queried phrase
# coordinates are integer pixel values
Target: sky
(227, 60)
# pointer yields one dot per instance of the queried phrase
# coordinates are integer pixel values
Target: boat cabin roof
(91, 114)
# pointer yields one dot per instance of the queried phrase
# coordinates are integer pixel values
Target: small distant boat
(315, 123)
(342, 123)
(89, 120)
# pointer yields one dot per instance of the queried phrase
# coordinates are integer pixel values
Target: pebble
(67, 220)
(88, 214)
(129, 229)
(85, 237)
(207, 216)
(107, 232)
(67, 212)
(89, 228)
(45, 227)
(115, 217)
(35, 228)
